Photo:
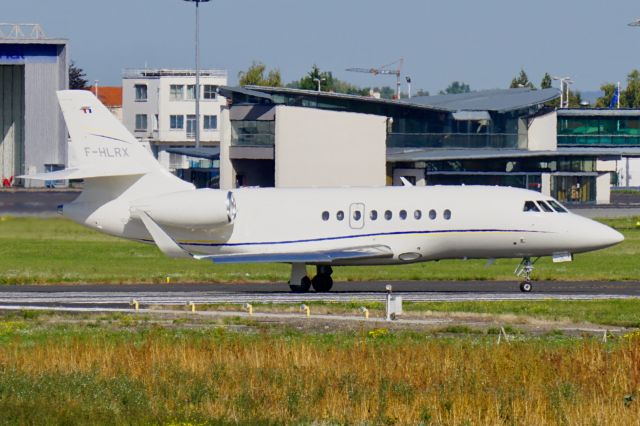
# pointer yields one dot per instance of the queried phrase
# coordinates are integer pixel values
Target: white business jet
(127, 193)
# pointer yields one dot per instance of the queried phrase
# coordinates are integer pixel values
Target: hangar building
(32, 132)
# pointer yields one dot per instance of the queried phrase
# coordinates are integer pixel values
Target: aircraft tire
(525, 287)
(322, 283)
(305, 285)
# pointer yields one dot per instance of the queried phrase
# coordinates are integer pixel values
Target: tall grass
(164, 376)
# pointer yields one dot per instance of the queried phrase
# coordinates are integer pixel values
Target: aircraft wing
(324, 256)
(172, 249)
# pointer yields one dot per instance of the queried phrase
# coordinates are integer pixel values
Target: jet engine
(202, 208)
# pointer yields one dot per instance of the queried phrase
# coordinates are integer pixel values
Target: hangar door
(11, 122)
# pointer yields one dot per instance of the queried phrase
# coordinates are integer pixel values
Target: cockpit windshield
(545, 206)
(548, 206)
(557, 207)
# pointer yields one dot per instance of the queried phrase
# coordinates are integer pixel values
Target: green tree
(310, 81)
(255, 76)
(604, 101)
(456, 87)
(575, 99)
(328, 83)
(77, 80)
(546, 81)
(522, 80)
(631, 95)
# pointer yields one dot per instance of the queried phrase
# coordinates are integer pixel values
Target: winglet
(165, 243)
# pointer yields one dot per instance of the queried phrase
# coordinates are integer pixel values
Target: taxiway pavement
(98, 295)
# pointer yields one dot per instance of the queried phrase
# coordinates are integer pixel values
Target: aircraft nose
(606, 236)
(613, 237)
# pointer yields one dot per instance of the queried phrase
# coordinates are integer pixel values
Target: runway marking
(171, 298)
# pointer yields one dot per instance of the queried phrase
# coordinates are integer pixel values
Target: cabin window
(432, 214)
(403, 214)
(325, 215)
(417, 214)
(447, 214)
(530, 206)
(545, 207)
(388, 215)
(557, 207)
(340, 215)
(373, 214)
(357, 215)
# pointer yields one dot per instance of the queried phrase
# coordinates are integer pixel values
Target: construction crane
(385, 70)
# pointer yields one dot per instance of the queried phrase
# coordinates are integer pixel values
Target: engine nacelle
(202, 208)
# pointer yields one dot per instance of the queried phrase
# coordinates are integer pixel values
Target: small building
(33, 137)
(159, 106)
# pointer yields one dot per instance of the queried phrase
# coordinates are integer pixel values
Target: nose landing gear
(525, 269)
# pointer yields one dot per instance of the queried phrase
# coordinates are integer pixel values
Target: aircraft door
(356, 215)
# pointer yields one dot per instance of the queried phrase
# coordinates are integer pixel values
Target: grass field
(613, 312)
(55, 250)
(122, 370)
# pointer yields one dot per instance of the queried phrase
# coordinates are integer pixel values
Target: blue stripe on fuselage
(348, 237)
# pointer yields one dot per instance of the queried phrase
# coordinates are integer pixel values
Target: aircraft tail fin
(100, 144)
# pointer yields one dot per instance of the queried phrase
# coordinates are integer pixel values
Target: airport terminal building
(286, 137)
(32, 132)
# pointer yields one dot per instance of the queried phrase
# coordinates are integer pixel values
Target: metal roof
(328, 95)
(593, 112)
(207, 153)
(420, 154)
(497, 100)
(227, 91)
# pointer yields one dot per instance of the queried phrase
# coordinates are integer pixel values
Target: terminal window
(191, 92)
(176, 122)
(141, 122)
(210, 122)
(210, 91)
(176, 92)
(141, 92)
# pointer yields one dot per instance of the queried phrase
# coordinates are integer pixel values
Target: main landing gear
(525, 269)
(300, 282)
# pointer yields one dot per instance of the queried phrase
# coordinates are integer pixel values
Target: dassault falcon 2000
(128, 194)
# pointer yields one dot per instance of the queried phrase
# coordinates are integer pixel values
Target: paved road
(34, 203)
(121, 295)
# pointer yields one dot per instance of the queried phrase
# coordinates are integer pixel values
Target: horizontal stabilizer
(325, 256)
(85, 173)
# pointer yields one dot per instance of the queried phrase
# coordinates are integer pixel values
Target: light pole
(318, 81)
(564, 86)
(408, 86)
(197, 94)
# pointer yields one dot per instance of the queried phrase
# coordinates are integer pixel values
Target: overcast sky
(483, 43)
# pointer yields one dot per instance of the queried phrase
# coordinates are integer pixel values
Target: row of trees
(258, 75)
(629, 97)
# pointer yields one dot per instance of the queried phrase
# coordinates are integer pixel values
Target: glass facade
(253, 132)
(604, 129)
(412, 127)
(574, 189)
